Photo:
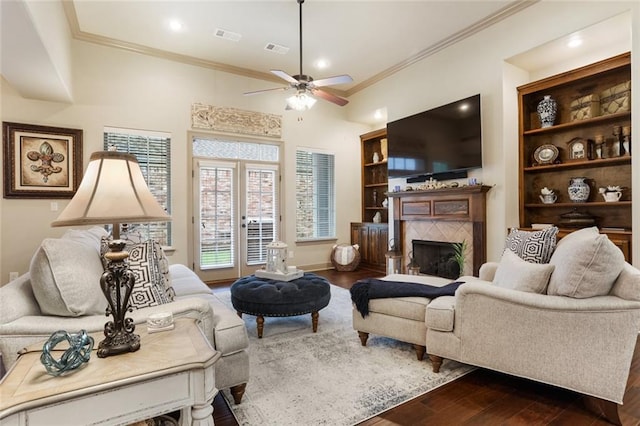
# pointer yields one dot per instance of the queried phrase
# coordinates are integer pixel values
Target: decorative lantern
(394, 258)
(277, 257)
(413, 268)
(276, 267)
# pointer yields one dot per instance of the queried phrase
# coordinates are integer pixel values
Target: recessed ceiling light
(464, 107)
(175, 25)
(574, 42)
(322, 64)
(380, 114)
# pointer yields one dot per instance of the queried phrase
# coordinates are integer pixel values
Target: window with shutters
(153, 152)
(315, 195)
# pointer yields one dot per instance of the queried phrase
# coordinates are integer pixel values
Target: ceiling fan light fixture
(301, 101)
(304, 84)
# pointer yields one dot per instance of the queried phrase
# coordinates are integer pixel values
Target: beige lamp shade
(112, 191)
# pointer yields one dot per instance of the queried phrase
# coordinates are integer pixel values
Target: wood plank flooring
(482, 397)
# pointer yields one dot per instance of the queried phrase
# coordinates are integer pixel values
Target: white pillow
(65, 277)
(587, 265)
(518, 274)
(90, 237)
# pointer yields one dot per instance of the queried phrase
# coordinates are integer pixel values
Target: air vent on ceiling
(227, 35)
(272, 47)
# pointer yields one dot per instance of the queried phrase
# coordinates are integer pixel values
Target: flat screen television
(441, 142)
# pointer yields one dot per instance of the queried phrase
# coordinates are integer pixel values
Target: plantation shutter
(153, 152)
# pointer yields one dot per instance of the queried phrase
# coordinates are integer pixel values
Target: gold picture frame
(41, 161)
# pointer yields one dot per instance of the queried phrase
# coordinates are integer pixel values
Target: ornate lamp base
(121, 343)
(117, 284)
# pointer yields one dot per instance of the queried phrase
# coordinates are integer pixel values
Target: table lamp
(113, 191)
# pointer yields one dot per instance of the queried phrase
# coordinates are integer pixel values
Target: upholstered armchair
(571, 323)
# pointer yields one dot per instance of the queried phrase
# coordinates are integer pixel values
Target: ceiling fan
(305, 85)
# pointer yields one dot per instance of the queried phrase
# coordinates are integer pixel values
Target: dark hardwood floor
(482, 397)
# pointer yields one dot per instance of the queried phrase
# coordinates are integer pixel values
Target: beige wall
(122, 89)
(478, 65)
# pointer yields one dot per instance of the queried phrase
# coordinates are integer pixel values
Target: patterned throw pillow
(533, 246)
(150, 267)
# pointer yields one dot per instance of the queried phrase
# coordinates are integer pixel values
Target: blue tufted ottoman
(264, 297)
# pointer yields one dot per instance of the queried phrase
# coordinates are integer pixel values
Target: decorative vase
(377, 218)
(547, 109)
(376, 157)
(579, 189)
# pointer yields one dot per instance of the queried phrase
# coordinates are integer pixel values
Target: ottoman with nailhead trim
(265, 297)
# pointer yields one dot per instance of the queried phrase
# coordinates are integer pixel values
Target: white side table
(172, 370)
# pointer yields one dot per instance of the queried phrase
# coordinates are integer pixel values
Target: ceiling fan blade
(257, 92)
(329, 97)
(283, 75)
(338, 79)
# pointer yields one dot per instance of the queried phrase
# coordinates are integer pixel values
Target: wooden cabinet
(372, 239)
(610, 166)
(374, 175)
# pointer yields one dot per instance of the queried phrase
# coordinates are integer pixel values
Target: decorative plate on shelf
(545, 154)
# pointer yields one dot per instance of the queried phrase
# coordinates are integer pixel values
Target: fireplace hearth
(436, 258)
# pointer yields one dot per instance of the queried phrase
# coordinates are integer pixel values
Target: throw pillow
(518, 274)
(90, 237)
(587, 265)
(150, 267)
(65, 277)
(533, 246)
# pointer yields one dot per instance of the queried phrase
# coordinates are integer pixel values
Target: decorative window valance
(232, 120)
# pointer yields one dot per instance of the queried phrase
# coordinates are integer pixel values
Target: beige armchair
(583, 343)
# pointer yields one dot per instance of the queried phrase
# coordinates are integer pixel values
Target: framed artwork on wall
(41, 161)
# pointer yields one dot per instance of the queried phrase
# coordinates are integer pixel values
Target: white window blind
(315, 195)
(153, 152)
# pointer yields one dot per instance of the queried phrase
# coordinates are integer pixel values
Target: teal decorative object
(79, 352)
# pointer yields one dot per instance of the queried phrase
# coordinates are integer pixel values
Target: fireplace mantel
(464, 204)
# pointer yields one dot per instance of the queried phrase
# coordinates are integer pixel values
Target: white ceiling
(368, 40)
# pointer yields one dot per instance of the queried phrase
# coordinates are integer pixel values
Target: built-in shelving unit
(613, 218)
(371, 236)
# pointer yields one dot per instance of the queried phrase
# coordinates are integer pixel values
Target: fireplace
(448, 215)
(436, 258)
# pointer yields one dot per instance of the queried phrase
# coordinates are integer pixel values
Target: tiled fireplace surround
(445, 231)
(447, 215)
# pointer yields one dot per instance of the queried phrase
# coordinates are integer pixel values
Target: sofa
(569, 316)
(61, 291)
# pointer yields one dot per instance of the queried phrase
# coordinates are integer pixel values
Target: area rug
(328, 378)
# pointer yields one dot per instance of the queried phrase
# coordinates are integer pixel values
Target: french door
(236, 216)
